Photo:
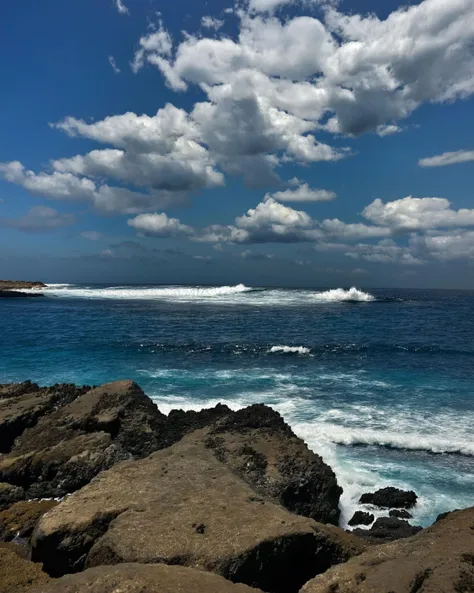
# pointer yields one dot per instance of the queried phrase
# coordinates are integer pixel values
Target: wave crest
(290, 349)
(340, 295)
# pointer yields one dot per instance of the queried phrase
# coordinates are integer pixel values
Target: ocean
(380, 383)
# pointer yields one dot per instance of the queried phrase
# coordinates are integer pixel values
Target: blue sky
(276, 142)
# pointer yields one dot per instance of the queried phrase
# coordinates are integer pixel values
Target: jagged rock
(19, 520)
(183, 506)
(262, 449)
(387, 529)
(142, 578)
(361, 518)
(9, 494)
(18, 575)
(19, 284)
(400, 514)
(390, 498)
(438, 559)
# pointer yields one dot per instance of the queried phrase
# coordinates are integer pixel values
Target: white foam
(290, 349)
(339, 295)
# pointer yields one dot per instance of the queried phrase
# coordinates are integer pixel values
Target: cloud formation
(448, 158)
(303, 193)
(39, 219)
(122, 9)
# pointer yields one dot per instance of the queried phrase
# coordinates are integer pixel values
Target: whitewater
(378, 382)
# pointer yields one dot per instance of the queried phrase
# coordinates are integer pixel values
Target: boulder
(390, 498)
(19, 520)
(181, 505)
(400, 514)
(387, 529)
(438, 559)
(142, 578)
(18, 575)
(261, 448)
(361, 518)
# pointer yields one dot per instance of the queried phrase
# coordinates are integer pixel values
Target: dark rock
(10, 494)
(262, 449)
(12, 294)
(400, 514)
(19, 520)
(361, 518)
(143, 578)
(444, 515)
(390, 498)
(18, 575)
(387, 529)
(182, 506)
(19, 284)
(438, 559)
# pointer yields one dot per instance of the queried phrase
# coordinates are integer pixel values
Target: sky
(270, 142)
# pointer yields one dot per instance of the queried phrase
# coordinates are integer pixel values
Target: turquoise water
(379, 383)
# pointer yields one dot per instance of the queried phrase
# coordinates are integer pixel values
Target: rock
(19, 520)
(183, 506)
(400, 514)
(390, 498)
(18, 575)
(387, 529)
(9, 494)
(439, 559)
(262, 449)
(361, 518)
(64, 449)
(19, 284)
(11, 294)
(142, 578)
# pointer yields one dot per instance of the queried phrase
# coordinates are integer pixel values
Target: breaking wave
(290, 349)
(339, 295)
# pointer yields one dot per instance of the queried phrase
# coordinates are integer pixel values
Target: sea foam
(290, 349)
(339, 295)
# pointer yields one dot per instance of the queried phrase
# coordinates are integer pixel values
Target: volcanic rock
(183, 506)
(387, 529)
(361, 518)
(19, 284)
(400, 514)
(11, 294)
(390, 498)
(18, 575)
(438, 559)
(19, 520)
(142, 578)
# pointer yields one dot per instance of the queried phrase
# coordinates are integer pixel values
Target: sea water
(380, 383)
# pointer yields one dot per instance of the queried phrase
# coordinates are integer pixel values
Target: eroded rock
(438, 559)
(18, 575)
(390, 498)
(361, 518)
(19, 520)
(387, 529)
(183, 506)
(400, 514)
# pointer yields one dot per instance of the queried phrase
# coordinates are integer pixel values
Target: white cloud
(447, 246)
(387, 130)
(159, 225)
(113, 64)
(448, 158)
(411, 214)
(303, 193)
(210, 22)
(91, 235)
(39, 219)
(349, 231)
(122, 9)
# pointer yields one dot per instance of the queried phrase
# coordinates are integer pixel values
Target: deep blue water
(381, 385)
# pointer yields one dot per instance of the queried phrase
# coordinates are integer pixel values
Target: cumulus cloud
(122, 9)
(159, 225)
(448, 158)
(387, 130)
(303, 193)
(210, 22)
(39, 219)
(412, 214)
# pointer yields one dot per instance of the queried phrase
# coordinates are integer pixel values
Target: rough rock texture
(141, 578)
(11, 294)
(85, 432)
(387, 529)
(400, 514)
(183, 506)
(361, 518)
(9, 494)
(19, 520)
(390, 498)
(440, 559)
(18, 575)
(19, 284)
(262, 449)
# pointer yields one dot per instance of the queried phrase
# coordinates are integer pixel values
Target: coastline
(15, 288)
(109, 455)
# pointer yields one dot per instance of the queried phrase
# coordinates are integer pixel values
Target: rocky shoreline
(13, 288)
(211, 501)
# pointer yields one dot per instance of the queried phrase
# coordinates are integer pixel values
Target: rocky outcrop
(18, 575)
(390, 498)
(19, 285)
(12, 294)
(438, 559)
(386, 529)
(400, 514)
(141, 578)
(183, 506)
(361, 518)
(19, 520)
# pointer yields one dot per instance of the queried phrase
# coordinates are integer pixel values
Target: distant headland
(13, 288)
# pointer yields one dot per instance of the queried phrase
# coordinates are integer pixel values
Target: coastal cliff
(13, 288)
(194, 501)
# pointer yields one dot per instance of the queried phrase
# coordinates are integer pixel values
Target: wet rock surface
(400, 514)
(361, 518)
(141, 578)
(439, 559)
(387, 529)
(390, 498)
